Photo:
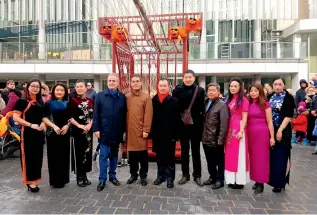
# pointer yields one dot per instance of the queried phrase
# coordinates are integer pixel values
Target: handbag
(187, 116)
(315, 129)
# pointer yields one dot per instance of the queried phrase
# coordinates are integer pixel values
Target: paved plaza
(300, 196)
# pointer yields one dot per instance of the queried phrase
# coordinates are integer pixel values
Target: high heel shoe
(87, 182)
(81, 182)
(33, 189)
(259, 189)
(278, 190)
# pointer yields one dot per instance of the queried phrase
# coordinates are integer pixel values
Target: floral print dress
(81, 110)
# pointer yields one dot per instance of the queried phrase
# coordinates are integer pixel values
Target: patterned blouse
(276, 103)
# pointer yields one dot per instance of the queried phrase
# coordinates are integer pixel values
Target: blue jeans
(105, 154)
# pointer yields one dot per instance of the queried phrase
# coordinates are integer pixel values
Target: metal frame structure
(149, 43)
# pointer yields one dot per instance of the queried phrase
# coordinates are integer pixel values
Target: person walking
(236, 147)
(80, 109)
(214, 136)
(191, 99)
(29, 114)
(56, 119)
(108, 126)
(260, 132)
(139, 120)
(165, 115)
(283, 106)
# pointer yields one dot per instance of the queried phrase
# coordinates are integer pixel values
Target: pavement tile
(152, 206)
(119, 204)
(158, 212)
(140, 211)
(256, 211)
(136, 205)
(103, 203)
(294, 207)
(124, 211)
(274, 211)
(222, 210)
(87, 202)
(159, 199)
(170, 207)
(113, 197)
(69, 201)
(88, 210)
(278, 206)
(106, 210)
(72, 209)
(239, 210)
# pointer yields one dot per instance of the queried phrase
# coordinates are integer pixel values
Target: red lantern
(177, 33)
(193, 24)
(119, 33)
(106, 31)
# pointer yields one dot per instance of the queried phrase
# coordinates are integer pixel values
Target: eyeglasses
(35, 86)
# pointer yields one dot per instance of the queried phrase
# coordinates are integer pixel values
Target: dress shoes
(115, 182)
(183, 180)
(208, 182)
(143, 181)
(198, 182)
(132, 179)
(217, 185)
(101, 186)
(159, 181)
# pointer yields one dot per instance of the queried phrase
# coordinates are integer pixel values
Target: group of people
(244, 137)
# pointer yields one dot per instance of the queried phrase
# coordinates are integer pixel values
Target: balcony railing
(99, 53)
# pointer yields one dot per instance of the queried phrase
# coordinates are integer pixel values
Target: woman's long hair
(241, 93)
(65, 98)
(38, 95)
(262, 98)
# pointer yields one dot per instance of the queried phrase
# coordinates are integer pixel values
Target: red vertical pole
(141, 62)
(167, 67)
(131, 65)
(158, 72)
(114, 57)
(185, 54)
(149, 76)
(175, 72)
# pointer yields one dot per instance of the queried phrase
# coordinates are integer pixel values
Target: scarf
(32, 97)
(113, 92)
(162, 97)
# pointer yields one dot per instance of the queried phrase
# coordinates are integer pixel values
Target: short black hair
(189, 71)
(213, 85)
(81, 81)
(277, 78)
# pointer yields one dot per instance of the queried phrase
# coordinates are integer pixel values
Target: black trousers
(136, 158)
(300, 135)
(215, 157)
(190, 139)
(165, 159)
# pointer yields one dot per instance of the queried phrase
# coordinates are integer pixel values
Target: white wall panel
(23, 16)
(10, 10)
(59, 10)
(2, 10)
(16, 14)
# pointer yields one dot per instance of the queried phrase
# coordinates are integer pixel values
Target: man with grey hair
(109, 123)
(214, 135)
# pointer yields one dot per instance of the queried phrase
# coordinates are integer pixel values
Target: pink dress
(236, 151)
(259, 144)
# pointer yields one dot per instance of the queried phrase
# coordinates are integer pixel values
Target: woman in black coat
(283, 105)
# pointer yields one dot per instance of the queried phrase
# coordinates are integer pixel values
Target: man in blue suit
(109, 125)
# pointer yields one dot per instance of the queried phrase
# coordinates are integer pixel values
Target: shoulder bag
(187, 116)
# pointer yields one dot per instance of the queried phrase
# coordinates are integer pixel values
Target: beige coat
(139, 119)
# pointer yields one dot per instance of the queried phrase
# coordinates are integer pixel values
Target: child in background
(300, 125)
